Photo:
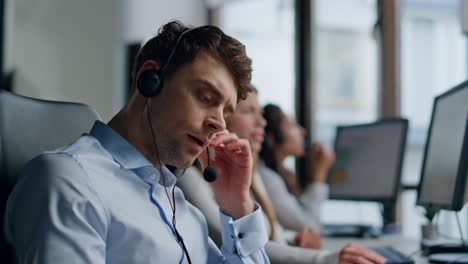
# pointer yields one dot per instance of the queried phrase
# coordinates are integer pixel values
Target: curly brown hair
(208, 39)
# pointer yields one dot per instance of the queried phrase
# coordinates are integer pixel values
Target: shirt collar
(120, 149)
(128, 156)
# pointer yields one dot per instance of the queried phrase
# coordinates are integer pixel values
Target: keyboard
(393, 256)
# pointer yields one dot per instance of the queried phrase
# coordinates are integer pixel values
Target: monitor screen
(368, 161)
(443, 174)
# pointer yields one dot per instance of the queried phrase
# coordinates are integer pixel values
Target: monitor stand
(389, 225)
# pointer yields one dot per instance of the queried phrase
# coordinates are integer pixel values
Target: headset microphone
(210, 173)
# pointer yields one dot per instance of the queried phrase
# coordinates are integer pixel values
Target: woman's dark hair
(273, 116)
(208, 39)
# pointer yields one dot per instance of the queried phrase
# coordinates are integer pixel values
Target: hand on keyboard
(353, 253)
(393, 256)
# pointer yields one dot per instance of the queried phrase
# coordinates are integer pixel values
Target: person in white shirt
(109, 198)
(285, 246)
(284, 138)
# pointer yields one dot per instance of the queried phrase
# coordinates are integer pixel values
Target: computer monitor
(444, 169)
(368, 161)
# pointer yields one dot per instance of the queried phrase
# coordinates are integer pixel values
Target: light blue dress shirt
(99, 200)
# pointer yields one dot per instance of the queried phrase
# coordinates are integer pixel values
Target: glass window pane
(346, 85)
(346, 65)
(433, 60)
(433, 51)
(269, 40)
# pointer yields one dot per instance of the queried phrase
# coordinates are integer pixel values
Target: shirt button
(241, 235)
(153, 176)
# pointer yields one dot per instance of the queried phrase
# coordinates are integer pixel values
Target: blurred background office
(327, 62)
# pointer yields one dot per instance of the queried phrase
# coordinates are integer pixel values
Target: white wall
(146, 16)
(71, 50)
(8, 28)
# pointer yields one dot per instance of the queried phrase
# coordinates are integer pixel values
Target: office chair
(28, 127)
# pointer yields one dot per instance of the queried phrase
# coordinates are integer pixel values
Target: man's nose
(216, 123)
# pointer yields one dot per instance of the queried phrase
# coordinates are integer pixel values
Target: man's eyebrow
(213, 89)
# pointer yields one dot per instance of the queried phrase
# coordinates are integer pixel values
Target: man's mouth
(198, 141)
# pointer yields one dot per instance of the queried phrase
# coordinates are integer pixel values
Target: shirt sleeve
(280, 253)
(53, 216)
(243, 240)
(289, 211)
(312, 199)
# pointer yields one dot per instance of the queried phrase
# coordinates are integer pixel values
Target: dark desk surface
(404, 245)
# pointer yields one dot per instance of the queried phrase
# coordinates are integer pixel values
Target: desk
(404, 245)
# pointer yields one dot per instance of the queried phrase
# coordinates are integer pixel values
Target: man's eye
(205, 99)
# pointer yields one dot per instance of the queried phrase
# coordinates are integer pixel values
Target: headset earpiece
(278, 136)
(267, 145)
(149, 83)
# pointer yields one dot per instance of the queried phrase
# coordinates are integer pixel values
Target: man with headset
(109, 197)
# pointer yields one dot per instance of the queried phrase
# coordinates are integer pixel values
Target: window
(269, 39)
(346, 85)
(433, 59)
(346, 65)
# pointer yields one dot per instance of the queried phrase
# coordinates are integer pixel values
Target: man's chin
(185, 162)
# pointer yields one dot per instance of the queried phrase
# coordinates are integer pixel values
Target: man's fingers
(239, 146)
(223, 139)
(219, 134)
(231, 142)
(223, 132)
(233, 146)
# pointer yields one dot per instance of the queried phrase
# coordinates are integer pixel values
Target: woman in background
(285, 138)
(297, 246)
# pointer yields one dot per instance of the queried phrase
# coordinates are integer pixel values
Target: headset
(150, 83)
(277, 137)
